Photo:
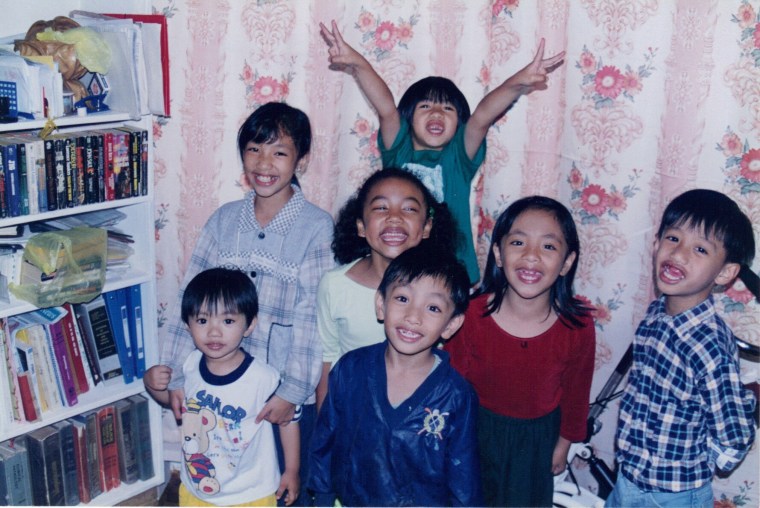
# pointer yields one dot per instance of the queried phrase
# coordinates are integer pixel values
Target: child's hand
(342, 56)
(277, 411)
(157, 377)
(534, 75)
(559, 456)
(290, 483)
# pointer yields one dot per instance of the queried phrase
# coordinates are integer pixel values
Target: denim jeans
(626, 494)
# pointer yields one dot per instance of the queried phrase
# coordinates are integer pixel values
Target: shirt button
(262, 235)
(253, 274)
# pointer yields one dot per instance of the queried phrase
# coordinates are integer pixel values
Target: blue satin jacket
(422, 453)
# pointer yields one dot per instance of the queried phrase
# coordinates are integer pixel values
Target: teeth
(529, 275)
(265, 178)
(671, 273)
(408, 334)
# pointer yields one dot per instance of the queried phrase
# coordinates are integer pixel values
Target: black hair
(347, 245)
(216, 287)
(424, 261)
(435, 89)
(569, 308)
(716, 215)
(270, 121)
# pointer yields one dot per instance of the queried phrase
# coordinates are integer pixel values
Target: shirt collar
(282, 222)
(687, 319)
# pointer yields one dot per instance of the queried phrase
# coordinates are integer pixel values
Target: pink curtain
(655, 97)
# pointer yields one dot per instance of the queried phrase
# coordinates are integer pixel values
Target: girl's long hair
(569, 308)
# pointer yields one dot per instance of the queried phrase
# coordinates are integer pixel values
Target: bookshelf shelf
(138, 223)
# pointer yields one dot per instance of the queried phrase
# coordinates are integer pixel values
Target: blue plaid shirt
(286, 260)
(684, 412)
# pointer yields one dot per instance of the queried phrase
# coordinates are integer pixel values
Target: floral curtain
(655, 97)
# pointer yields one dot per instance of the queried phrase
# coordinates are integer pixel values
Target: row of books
(71, 169)
(56, 354)
(75, 460)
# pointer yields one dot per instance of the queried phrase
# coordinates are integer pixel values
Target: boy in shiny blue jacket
(398, 425)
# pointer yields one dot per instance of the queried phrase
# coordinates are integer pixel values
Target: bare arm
(156, 381)
(322, 386)
(291, 443)
(345, 58)
(531, 77)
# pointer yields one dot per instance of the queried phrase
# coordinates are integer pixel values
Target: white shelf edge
(125, 491)
(69, 211)
(66, 121)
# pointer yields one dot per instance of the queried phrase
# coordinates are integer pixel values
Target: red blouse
(527, 378)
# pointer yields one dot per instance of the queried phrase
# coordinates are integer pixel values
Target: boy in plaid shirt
(684, 413)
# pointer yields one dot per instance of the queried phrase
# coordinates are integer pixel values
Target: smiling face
(433, 125)
(688, 265)
(218, 336)
(394, 218)
(269, 168)
(533, 254)
(417, 314)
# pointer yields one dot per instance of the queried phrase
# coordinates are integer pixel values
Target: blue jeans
(628, 494)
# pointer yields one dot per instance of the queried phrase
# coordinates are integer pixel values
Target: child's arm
(462, 474)
(322, 386)
(291, 446)
(531, 77)
(344, 57)
(156, 381)
(559, 457)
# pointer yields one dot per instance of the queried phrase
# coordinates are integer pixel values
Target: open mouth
(393, 236)
(408, 335)
(435, 128)
(670, 274)
(529, 276)
(265, 179)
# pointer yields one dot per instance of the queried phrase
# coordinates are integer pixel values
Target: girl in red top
(527, 346)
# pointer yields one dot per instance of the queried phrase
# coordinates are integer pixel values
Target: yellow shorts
(187, 499)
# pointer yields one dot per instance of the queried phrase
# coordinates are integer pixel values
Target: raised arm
(345, 58)
(531, 77)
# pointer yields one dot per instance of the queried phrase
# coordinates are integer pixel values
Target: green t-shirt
(447, 174)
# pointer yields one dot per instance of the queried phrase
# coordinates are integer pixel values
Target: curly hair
(347, 245)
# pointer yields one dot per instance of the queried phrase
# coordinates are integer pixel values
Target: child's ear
(427, 228)
(453, 327)
(379, 301)
(727, 274)
(250, 328)
(302, 164)
(360, 228)
(568, 263)
(496, 254)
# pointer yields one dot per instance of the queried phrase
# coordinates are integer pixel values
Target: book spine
(58, 343)
(40, 170)
(121, 165)
(88, 341)
(73, 351)
(81, 173)
(80, 455)
(60, 173)
(134, 307)
(127, 458)
(93, 455)
(109, 185)
(31, 408)
(69, 165)
(90, 179)
(23, 177)
(17, 474)
(68, 462)
(13, 187)
(47, 368)
(17, 407)
(109, 448)
(135, 158)
(3, 185)
(51, 175)
(144, 146)
(142, 440)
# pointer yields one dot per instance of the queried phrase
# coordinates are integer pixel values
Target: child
(391, 212)
(398, 425)
(230, 459)
(432, 133)
(527, 347)
(684, 412)
(283, 243)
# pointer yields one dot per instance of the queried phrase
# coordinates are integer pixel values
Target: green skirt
(516, 458)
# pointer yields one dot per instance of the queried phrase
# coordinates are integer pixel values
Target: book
(45, 466)
(59, 159)
(88, 168)
(79, 431)
(50, 175)
(23, 177)
(3, 186)
(17, 478)
(74, 352)
(50, 389)
(57, 342)
(118, 315)
(136, 333)
(80, 158)
(15, 403)
(134, 141)
(109, 181)
(105, 344)
(109, 448)
(68, 462)
(122, 168)
(69, 168)
(126, 438)
(99, 162)
(27, 362)
(12, 183)
(88, 342)
(28, 401)
(94, 478)
(142, 440)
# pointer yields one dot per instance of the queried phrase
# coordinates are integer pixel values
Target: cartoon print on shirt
(434, 423)
(197, 422)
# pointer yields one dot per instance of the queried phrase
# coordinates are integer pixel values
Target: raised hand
(342, 56)
(534, 75)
